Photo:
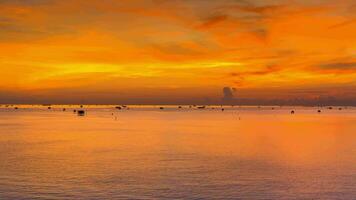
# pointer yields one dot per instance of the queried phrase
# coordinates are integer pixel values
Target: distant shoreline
(192, 105)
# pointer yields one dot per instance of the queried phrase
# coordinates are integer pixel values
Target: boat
(81, 112)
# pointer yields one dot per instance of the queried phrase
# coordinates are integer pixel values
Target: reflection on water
(148, 153)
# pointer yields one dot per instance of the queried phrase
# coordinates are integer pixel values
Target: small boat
(118, 107)
(201, 107)
(81, 112)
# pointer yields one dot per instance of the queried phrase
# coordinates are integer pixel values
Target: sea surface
(143, 152)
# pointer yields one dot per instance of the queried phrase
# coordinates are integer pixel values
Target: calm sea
(187, 153)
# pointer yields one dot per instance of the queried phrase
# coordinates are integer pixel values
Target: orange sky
(176, 51)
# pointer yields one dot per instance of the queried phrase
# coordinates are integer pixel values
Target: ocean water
(187, 153)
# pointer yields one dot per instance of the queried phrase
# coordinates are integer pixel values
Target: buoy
(319, 111)
(292, 112)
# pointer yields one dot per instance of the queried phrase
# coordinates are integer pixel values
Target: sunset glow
(175, 51)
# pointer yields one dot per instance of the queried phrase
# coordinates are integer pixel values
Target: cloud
(261, 10)
(213, 20)
(338, 67)
(228, 93)
(176, 49)
(267, 70)
(342, 24)
(27, 2)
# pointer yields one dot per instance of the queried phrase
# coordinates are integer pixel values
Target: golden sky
(176, 51)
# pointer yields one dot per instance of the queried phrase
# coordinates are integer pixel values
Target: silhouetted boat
(81, 112)
(161, 108)
(201, 107)
(118, 107)
(292, 112)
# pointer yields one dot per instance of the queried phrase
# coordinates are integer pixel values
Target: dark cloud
(228, 93)
(261, 10)
(339, 66)
(268, 70)
(213, 20)
(27, 2)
